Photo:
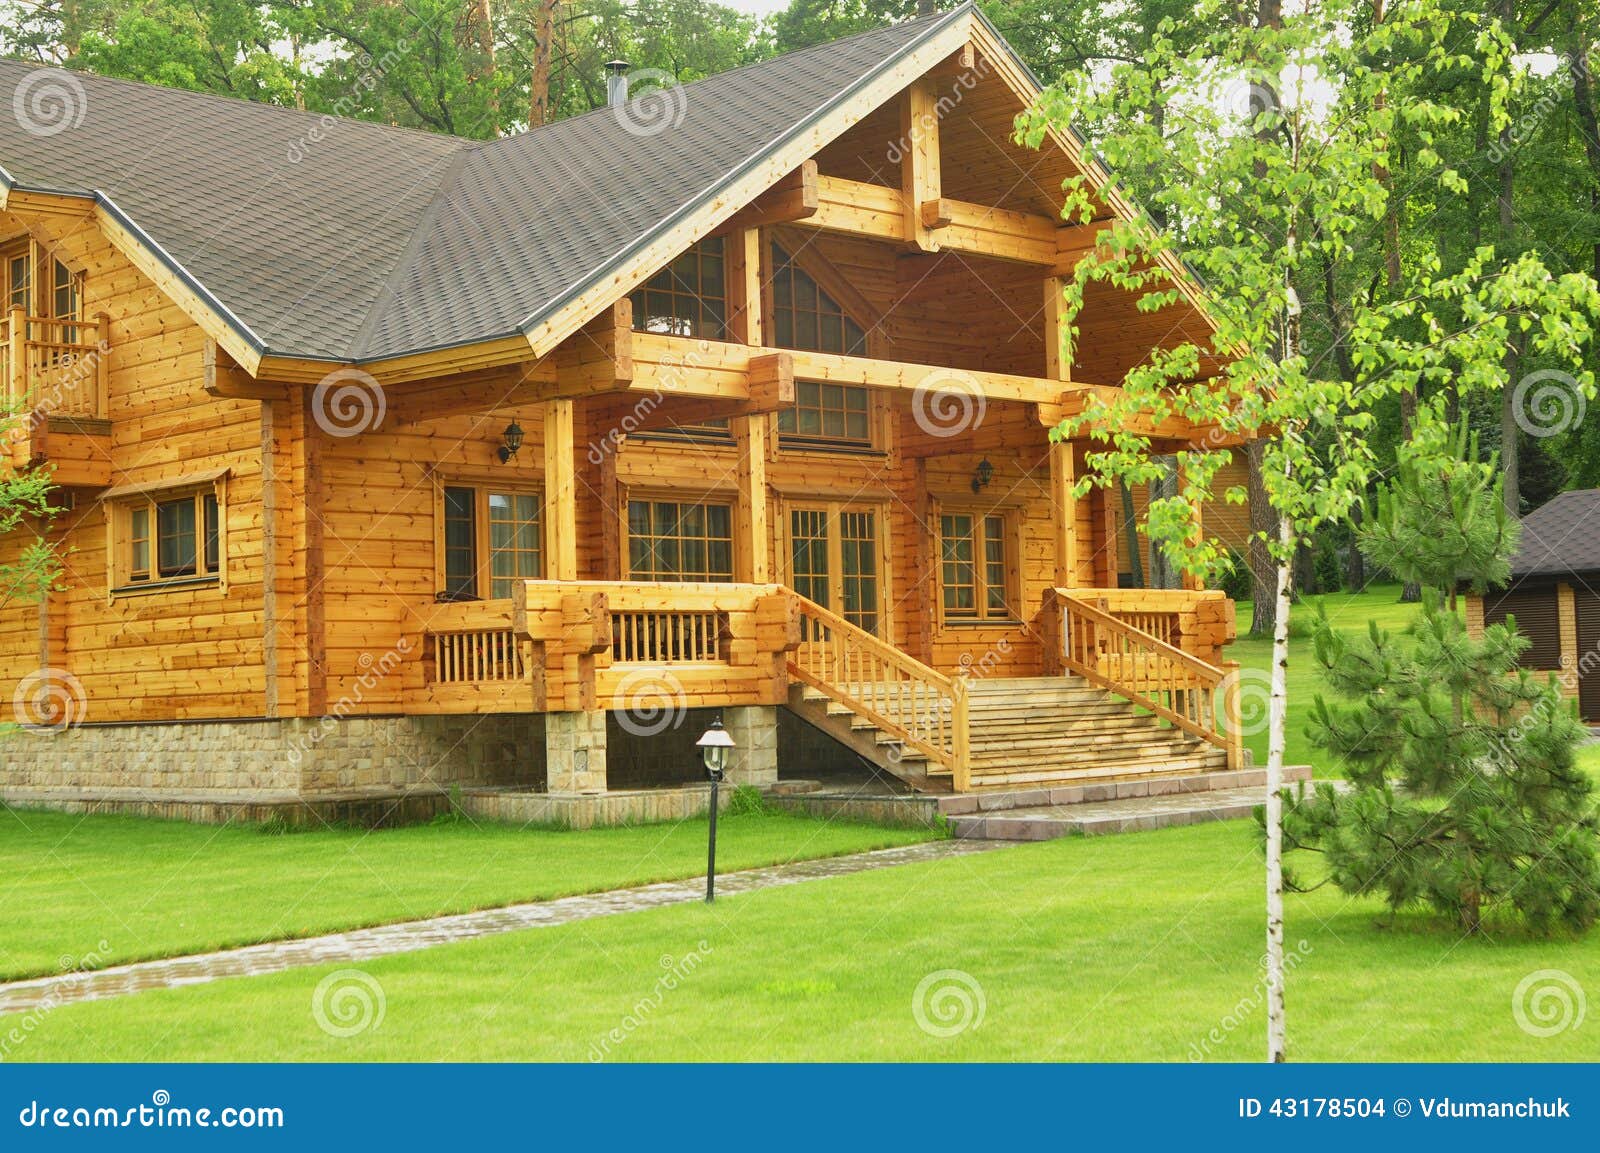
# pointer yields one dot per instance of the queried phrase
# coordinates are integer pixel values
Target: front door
(834, 559)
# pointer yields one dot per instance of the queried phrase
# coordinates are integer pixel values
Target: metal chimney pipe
(617, 83)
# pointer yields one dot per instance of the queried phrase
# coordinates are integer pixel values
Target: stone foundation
(247, 760)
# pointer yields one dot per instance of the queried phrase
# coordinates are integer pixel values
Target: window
(973, 571)
(41, 286)
(680, 540)
(806, 317)
(167, 537)
(1537, 618)
(491, 541)
(834, 559)
(689, 297)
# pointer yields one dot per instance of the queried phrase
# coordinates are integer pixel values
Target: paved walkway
(408, 936)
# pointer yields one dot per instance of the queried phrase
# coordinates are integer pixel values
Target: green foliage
(25, 512)
(747, 801)
(1466, 793)
(1235, 578)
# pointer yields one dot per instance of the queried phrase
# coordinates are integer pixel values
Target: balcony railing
(55, 367)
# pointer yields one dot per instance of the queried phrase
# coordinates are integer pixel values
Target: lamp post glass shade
(715, 746)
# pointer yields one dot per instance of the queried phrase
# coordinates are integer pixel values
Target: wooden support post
(1190, 580)
(311, 508)
(919, 161)
(17, 368)
(1231, 715)
(1057, 364)
(560, 492)
(755, 527)
(102, 366)
(743, 273)
(1064, 513)
(269, 563)
(770, 378)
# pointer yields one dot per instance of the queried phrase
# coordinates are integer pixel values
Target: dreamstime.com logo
(49, 101)
(1547, 1002)
(48, 701)
(1252, 689)
(948, 1002)
(660, 107)
(348, 402)
(948, 402)
(648, 702)
(1548, 402)
(348, 1002)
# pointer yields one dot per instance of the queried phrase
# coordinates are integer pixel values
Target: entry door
(834, 559)
(1588, 606)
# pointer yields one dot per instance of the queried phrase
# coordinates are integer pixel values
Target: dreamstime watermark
(49, 700)
(348, 1002)
(20, 1026)
(927, 123)
(49, 101)
(948, 402)
(648, 702)
(1250, 694)
(373, 672)
(675, 971)
(948, 1002)
(1247, 1006)
(1548, 402)
(660, 108)
(348, 402)
(671, 378)
(369, 73)
(1547, 1002)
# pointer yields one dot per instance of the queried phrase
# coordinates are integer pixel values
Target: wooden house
(1553, 596)
(389, 460)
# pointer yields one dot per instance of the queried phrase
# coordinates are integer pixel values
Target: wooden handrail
(920, 706)
(1144, 669)
(55, 364)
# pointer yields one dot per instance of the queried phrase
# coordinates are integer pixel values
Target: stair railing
(919, 706)
(1176, 686)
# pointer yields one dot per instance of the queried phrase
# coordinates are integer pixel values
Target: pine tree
(1464, 791)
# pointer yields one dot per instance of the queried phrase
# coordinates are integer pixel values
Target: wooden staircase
(1026, 731)
(1125, 704)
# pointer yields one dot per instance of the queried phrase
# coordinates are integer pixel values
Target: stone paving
(1091, 818)
(408, 936)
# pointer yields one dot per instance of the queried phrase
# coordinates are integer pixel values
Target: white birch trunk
(1277, 739)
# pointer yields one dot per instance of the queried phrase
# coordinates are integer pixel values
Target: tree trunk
(1130, 533)
(1163, 574)
(1355, 565)
(1508, 418)
(1263, 612)
(1277, 743)
(539, 85)
(1588, 118)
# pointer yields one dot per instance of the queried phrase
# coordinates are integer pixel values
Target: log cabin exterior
(390, 460)
(1553, 596)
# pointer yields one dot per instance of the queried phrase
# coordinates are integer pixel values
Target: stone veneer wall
(305, 757)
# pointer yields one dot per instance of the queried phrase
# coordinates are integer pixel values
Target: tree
(1466, 792)
(30, 568)
(1271, 136)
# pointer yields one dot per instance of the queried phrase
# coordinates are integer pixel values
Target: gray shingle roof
(1560, 538)
(346, 240)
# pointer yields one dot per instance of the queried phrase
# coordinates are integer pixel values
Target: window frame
(728, 500)
(483, 551)
(677, 290)
(210, 533)
(44, 269)
(982, 615)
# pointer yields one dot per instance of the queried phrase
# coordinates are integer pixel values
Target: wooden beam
(310, 509)
(225, 380)
(269, 562)
(599, 356)
(560, 492)
(855, 208)
(919, 161)
(488, 391)
(743, 272)
(1057, 361)
(770, 389)
(792, 198)
(1074, 242)
(754, 534)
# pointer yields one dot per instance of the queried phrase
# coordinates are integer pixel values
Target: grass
(117, 889)
(1139, 947)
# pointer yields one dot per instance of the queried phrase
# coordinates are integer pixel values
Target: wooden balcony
(56, 385)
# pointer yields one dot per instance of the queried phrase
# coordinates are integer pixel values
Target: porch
(1132, 684)
(57, 381)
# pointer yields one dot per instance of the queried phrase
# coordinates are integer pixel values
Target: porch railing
(472, 643)
(58, 367)
(926, 709)
(1199, 698)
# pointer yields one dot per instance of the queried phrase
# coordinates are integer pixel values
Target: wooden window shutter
(1538, 619)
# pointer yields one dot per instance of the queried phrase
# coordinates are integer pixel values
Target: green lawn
(157, 888)
(1121, 948)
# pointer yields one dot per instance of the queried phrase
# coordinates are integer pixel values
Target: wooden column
(1057, 366)
(751, 434)
(310, 509)
(919, 162)
(1064, 513)
(269, 563)
(1189, 580)
(560, 492)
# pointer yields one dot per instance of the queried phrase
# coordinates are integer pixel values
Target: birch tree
(1273, 138)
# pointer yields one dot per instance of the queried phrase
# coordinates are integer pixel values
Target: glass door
(834, 559)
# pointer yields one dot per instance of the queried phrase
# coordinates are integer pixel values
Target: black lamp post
(715, 746)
